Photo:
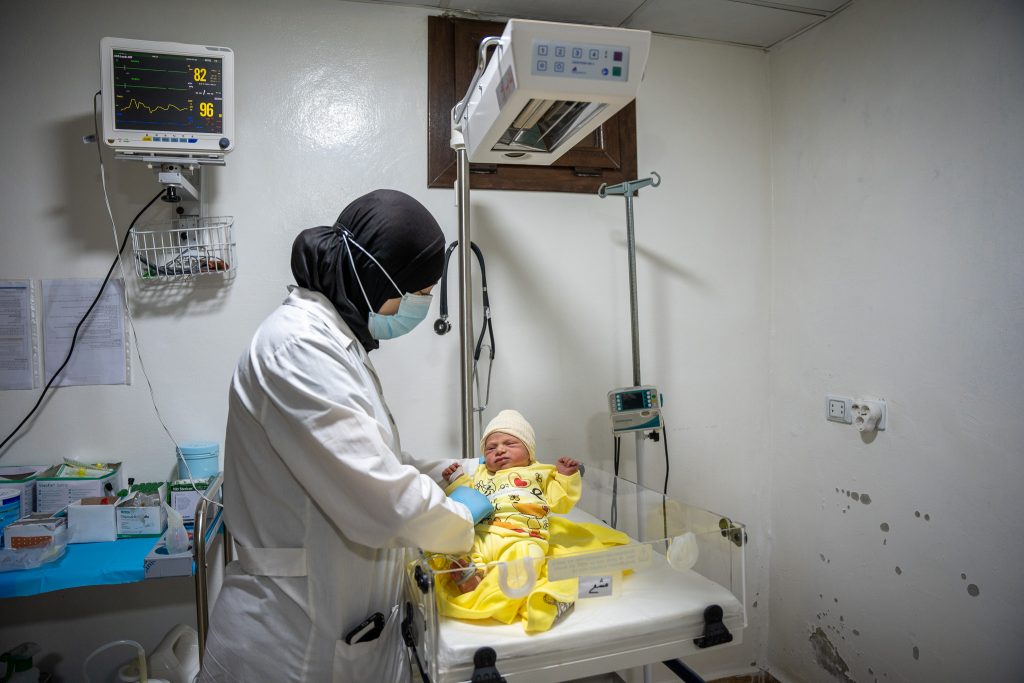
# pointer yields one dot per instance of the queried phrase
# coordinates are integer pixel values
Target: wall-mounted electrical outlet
(839, 408)
(869, 414)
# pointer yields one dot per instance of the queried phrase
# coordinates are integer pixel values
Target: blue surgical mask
(412, 309)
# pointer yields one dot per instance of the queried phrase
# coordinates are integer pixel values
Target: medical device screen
(633, 400)
(156, 91)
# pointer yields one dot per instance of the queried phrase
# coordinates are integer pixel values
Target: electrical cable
(102, 648)
(120, 264)
(74, 336)
(127, 303)
(664, 488)
(614, 519)
(664, 438)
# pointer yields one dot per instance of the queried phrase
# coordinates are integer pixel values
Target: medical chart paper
(100, 355)
(18, 348)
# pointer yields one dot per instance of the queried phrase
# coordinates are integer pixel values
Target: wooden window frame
(608, 155)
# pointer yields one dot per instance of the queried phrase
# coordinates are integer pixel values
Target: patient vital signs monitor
(167, 99)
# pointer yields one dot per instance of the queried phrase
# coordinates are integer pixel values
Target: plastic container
(198, 458)
(10, 507)
(175, 659)
(16, 665)
(177, 536)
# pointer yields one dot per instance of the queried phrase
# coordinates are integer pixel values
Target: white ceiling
(755, 23)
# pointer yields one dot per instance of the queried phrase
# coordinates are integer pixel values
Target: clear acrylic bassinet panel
(640, 602)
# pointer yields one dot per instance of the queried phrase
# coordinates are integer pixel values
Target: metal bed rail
(207, 523)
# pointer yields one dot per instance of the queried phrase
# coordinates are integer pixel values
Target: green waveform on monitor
(135, 104)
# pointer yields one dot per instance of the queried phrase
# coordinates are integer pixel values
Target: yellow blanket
(547, 600)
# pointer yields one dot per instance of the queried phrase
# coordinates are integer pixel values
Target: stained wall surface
(897, 272)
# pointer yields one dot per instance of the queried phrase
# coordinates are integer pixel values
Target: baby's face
(502, 451)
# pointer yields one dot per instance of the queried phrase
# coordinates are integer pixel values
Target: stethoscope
(443, 326)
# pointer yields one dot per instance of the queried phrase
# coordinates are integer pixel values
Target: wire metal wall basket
(185, 248)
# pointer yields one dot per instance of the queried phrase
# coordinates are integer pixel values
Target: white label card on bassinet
(633, 556)
(595, 586)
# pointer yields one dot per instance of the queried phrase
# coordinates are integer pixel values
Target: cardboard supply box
(159, 563)
(37, 530)
(134, 521)
(22, 478)
(155, 488)
(61, 485)
(92, 520)
(184, 497)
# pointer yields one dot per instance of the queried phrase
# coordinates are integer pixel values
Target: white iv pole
(628, 191)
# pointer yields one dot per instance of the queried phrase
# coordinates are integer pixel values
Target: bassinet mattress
(652, 616)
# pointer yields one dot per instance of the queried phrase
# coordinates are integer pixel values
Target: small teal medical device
(635, 409)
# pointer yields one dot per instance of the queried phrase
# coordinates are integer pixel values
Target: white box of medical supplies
(156, 490)
(185, 496)
(36, 530)
(134, 520)
(92, 520)
(22, 478)
(63, 484)
(159, 563)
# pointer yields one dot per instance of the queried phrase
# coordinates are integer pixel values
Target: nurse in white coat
(319, 495)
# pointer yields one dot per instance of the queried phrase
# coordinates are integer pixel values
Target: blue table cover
(83, 564)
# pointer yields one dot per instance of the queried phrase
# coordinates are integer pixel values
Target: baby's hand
(449, 471)
(567, 466)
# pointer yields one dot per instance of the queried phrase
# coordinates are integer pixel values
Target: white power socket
(839, 408)
(870, 414)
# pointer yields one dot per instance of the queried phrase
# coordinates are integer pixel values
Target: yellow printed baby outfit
(519, 528)
(522, 498)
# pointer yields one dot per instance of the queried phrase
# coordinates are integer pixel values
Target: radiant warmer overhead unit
(547, 86)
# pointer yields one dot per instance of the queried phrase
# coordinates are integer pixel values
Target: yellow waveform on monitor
(134, 103)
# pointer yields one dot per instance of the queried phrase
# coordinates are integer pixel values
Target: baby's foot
(468, 579)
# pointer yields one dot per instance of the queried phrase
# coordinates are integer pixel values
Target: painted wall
(332, 103)
(898, 163)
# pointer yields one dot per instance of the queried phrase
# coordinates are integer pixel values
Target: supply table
(122, 561)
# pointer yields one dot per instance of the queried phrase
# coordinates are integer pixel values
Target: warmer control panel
(580, 60)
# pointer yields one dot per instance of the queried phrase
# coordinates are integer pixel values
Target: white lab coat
(321, 500)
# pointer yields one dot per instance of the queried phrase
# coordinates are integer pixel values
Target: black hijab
(399, 232)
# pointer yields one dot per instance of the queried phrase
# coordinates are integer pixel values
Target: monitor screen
(632, 400)
(167, 98)
(159, 91)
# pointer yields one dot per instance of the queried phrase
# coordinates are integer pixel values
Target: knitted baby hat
(512, 422)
